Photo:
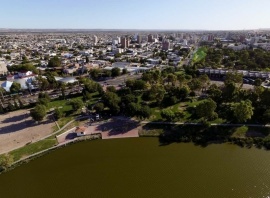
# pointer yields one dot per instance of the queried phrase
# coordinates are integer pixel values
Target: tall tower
(95, 39)
(139, 39)
(124, 42)
(150, 38)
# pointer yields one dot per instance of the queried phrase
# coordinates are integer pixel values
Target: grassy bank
(19, 155)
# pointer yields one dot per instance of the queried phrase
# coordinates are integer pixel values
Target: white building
(24, 74)
(95, 39)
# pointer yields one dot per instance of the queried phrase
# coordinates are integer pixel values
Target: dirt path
(17, 129)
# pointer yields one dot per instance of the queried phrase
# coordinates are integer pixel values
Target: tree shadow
(21, 126)
(197, 134)
(118, 125)
(71, 136)
(16, 118)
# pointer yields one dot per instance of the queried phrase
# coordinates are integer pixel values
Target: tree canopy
(54, 62)
(38, 113)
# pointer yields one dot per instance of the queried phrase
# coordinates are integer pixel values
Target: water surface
(139, 167)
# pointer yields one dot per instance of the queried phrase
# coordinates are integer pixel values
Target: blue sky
(136, 14)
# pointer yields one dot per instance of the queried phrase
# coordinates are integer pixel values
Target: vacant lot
(17, 129)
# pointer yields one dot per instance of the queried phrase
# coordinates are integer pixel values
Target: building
(150, 38)
(242, 38)
(139, 39)
(166, 45)
(80, 131)
(210, 37)
(6, 85)
(95, 39)
(121, 64)
(125, 42)
(68, 80)
(23, 74)
(185, 42)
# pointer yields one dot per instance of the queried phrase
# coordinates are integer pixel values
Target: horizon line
(130, 29)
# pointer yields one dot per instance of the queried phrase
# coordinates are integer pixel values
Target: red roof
(80, 129)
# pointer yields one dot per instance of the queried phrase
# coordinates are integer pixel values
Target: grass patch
(32, 148)
(199, 55)
(240, 132)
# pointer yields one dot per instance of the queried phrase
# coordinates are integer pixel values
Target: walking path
(199, 124)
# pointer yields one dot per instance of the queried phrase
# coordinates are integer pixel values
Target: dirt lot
(115, 128)
(17, 129)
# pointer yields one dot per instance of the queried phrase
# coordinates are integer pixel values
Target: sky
(135, 14)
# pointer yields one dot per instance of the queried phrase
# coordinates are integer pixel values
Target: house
(6, 85)
(153, 61)
(10, 77)
(23, 74)
(80, 131)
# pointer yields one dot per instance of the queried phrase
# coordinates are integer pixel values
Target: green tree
(206, 109)
(195, 84)
(111, 89)
(6, 161)
(171, 78)
(2, 110)
(99, 107)
(15, 87)
(95, 73)
(10, 106)
(243, 111)
(44, 84)
(44, 95)
(86, 96)
(257, 82)
(38, 113)
(127, 99)
(144, 112)
(15, 104)
(204, 79)
(76, 104)
(116, 72)
(54, 62)
(168, 114)
(58, 113)
(215, 93)
(43, 101)
(124, 71)
(112, 101)
(236, 78)
(230, 92)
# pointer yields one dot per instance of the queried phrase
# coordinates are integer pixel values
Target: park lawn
(62, 104)
(199, 55)
(62, 122)
(32, 148)
(179, 72)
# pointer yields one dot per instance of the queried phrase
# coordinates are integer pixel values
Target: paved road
(119, 80)
(220, 83)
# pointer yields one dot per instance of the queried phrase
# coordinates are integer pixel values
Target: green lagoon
(140, 167)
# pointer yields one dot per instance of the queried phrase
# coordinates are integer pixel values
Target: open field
(199, 55)
(18, 129)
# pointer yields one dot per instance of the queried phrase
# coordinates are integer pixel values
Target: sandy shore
(17, 129)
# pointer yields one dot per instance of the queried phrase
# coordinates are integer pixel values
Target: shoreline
(167, 134)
